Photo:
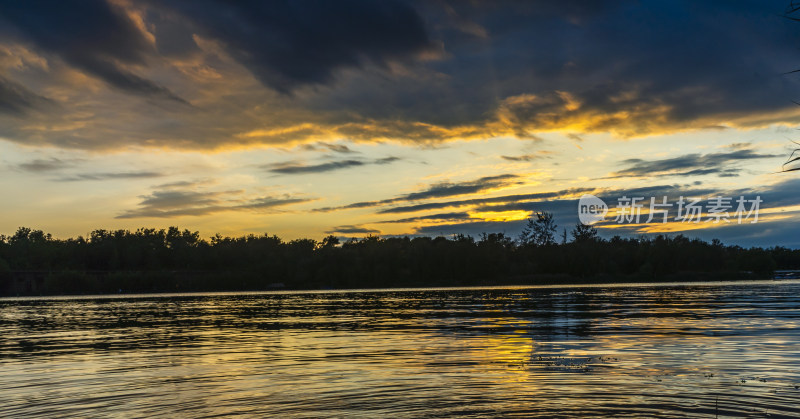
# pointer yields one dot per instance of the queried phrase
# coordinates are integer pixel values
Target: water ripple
(634, 351)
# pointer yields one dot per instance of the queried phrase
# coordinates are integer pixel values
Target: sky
(355, 118)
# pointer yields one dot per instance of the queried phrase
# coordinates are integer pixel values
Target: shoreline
(570, 285)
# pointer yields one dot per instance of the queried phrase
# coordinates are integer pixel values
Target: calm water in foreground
(630, 350)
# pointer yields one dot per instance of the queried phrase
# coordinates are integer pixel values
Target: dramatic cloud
(16, 100)
(108, 94)
(176, 202)
(295, 168)
(288, 72)
(720, 164)
(288, 44)
(91, 35)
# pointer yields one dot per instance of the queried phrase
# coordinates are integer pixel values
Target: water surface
(678, 350)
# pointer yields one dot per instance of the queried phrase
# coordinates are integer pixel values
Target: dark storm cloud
(296, 168)
(17, 100)
(438, 190)
(91, 35)
(288, 44)
(720, 164)
(413, 71)
(171, 203)
(628, 67)
(125, 80)
(682, 55)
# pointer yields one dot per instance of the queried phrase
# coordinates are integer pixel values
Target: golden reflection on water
(668, 351)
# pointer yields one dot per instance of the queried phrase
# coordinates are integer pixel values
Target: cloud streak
(51, 165)
(172, 202)
(352, 229)
(296, 168)
(44, 165)
(720, 164)
(110, 176)
(336, 148)
(529, 157)
(450, 216)
(439, 190)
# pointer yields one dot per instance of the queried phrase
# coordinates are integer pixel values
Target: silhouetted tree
(584, 233)
(540, 230)
(329, 242)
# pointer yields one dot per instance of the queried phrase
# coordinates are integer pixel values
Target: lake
(648, 350)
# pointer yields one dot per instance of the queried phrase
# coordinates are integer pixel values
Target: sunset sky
(309, 118)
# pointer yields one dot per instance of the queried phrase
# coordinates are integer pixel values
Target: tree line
(157, 260)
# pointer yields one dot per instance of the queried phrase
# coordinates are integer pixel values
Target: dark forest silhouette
(160, 260)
